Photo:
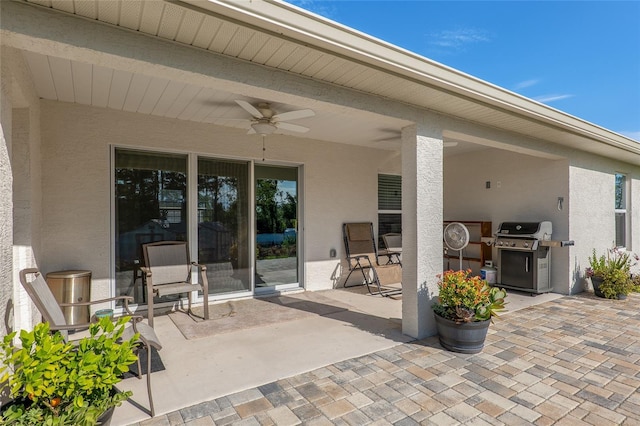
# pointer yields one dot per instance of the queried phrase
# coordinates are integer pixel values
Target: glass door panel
(150, 205)
(276, 194)
(223, 219)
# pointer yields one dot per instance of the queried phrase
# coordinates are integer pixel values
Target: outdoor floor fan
(456, 237)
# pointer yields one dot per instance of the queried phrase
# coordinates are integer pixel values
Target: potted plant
(55, 382)
(464, 309)
(611, 274)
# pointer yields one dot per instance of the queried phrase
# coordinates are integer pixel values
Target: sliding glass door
(150, 205)
(223, 224)
(246, 235)
(276, 208)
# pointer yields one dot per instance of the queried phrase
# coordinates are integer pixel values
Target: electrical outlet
(498, 184)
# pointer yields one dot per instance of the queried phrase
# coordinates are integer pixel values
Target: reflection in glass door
(223, 219)
(150, 205)
(276, 198)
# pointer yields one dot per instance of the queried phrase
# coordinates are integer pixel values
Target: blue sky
(581, 57)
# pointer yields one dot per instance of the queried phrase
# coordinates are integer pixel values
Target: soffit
(257, 31)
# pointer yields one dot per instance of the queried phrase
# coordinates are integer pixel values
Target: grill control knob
(526, 245)
(513, 244)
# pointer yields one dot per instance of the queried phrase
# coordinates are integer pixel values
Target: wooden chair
(51, 311)
(167, 270)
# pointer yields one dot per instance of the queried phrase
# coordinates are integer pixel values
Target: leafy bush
(464, 298)
(56, 383)
(614, 270)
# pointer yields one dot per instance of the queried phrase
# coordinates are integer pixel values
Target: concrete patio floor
(550, 360)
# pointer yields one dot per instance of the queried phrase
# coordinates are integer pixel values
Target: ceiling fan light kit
(263, 127)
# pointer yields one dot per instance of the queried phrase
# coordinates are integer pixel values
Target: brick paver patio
(572, 361)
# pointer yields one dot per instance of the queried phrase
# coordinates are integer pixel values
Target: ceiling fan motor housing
(265, 110)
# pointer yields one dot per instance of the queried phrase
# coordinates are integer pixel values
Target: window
(621, 210)
(389, 205)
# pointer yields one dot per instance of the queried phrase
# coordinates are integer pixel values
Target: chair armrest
(146, 334)
(95, 302)
(146, 271)
(361, 261)
(74, 327)
(125, 304)
(199, 266)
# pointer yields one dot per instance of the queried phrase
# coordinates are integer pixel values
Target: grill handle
(526, 264)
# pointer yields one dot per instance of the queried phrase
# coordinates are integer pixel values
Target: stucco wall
(592, 181)
(523, 188)
(20, 191)
(6, 214)
(340, 183)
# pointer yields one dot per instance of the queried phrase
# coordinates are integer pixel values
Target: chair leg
(359, 266)
(205, 299)
(189, 312)
(347, 279)
(153, 413)
(139, 369)
(150, 308)
(385, 293)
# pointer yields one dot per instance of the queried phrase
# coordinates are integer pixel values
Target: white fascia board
(304, 27)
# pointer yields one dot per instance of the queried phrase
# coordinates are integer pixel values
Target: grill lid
(538, 230)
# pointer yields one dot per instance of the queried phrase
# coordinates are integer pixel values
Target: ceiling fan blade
(391, 139)
(450, 144)
(292, 127)
(249, 108)
(214, 119)
(294, 115)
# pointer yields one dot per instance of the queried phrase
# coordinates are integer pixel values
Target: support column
(6, 207)
(422, 204)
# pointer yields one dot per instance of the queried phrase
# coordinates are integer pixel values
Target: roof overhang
(283, 37)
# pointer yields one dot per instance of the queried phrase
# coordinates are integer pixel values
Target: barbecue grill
(524, 257)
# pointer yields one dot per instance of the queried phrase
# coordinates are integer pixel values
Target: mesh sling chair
(51, 311)
(393, 247)
(362, 255)
(167, 271)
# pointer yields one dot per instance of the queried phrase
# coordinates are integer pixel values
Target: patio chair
(392, 247)
(51, 311)
(362, 255)
(167, 270)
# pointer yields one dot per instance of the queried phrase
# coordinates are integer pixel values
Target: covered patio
(128, 122)
(137, 122)
(336, 327)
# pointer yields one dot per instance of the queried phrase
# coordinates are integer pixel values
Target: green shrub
(614, 270)
(464, 298)
(57, 383)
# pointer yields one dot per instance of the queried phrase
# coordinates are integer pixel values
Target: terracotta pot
(466, 338)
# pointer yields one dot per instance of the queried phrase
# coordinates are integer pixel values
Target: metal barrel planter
(466, 338)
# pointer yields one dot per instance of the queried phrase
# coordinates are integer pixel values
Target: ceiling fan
(266, 121)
